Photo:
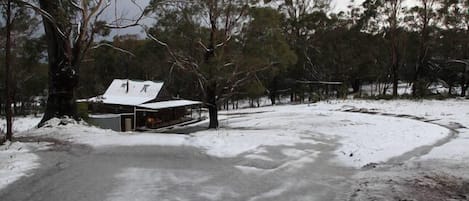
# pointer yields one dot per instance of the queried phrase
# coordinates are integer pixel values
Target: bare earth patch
(408, 184)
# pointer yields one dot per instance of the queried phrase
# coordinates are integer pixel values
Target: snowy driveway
(274, 153)
(175, 173)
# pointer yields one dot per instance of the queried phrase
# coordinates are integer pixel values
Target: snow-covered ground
(21, 124)
(360, 139)
(17, 159)
(404, 89)
(438, 174)
(363, 138)
(453, 113)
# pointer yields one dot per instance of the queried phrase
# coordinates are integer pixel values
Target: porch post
(135, 118)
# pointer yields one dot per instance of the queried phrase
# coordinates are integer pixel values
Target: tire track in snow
(419, 151)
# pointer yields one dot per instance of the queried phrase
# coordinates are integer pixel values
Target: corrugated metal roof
(137, 94)
(128, 92)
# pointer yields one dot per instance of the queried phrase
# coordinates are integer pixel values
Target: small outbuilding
(132, 105)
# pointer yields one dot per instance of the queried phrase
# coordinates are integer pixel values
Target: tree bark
(418, 84)
(272, 98)
(463, 90)
(395, 82)
(395, 6)
(273, 90)
(63, 76)
(212, 106)
(464, 82)
(211, 93)
(395, 68)
(8, 112)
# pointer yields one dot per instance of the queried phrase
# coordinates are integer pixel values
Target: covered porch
(152, 116)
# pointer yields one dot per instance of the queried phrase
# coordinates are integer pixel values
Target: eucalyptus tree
(385, 17)
(265, 42)
(299, 31)
(394, 10)
(423, 19)
(210, 47)
(8, 28)
(70, 29)
(18, 27)
(453, 43)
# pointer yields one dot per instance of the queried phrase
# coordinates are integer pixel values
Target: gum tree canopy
(217, 43)
(70, 28)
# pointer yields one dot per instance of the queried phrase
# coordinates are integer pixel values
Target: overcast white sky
(128, 8)
(338, 4)
(128, 5)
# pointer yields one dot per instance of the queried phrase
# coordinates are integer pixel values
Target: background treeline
(295, 49)
(28, 50)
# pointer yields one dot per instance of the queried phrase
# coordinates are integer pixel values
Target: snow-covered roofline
(138, 94)
(169, 104)
(128, 92)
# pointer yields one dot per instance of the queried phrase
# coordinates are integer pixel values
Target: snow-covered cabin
(129, 105)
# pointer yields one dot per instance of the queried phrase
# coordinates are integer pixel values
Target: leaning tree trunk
(63, 77)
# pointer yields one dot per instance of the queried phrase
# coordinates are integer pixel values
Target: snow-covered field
(360, 139)
(438, 174)
(453, 113)
(404, 89)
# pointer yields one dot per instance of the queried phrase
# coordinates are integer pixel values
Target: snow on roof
(137, 94)
(169, 104)
(146, 90)
(128, 92)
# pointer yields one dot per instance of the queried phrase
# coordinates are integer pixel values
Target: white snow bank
(16, 160)
(21, 124)
(97, 137)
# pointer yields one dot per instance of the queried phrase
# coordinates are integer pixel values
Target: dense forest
(222, 51)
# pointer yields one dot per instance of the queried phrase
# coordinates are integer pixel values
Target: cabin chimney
(127, 87)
